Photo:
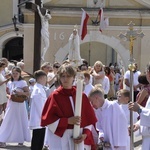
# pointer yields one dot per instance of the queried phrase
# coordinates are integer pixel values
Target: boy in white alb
(39, 98)
(112, 123)
(123, 97)
(88, 86)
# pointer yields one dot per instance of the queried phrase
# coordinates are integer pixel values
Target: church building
(17, 25)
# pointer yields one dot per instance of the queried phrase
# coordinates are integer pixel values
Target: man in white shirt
(106, 86)
(144, 123)
(136, 84)
(117, 78)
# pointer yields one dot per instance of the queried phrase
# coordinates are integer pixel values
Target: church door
(14, 49)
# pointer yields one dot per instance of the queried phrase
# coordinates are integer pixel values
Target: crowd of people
(48, 106)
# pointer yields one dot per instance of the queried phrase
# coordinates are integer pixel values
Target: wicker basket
(102, 145)
(18, 98)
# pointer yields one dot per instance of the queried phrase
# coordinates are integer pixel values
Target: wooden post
(37, 39)
(37, 33)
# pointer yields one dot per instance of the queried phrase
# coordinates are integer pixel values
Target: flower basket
(18, 98)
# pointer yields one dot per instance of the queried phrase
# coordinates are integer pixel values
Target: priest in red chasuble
(58, 114)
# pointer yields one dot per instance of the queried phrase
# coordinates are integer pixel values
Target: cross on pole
(130, 36)
(37, 32)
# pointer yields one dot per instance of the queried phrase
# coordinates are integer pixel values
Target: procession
(89, 90)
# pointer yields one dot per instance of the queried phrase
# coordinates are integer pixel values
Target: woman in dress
(14, 128)
(143, 95)
(3, 94)
(111, 77)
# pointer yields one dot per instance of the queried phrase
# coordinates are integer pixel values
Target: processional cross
(130, 36)
(37, 32)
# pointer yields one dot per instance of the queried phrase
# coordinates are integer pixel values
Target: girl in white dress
(98, 73)
(14, 128)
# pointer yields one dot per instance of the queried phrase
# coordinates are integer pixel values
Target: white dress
(3, 94)
(98, 81)
(74, 50)
(14, 128)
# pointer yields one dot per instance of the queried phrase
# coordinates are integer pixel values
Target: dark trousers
(37, 139)
(135, 94)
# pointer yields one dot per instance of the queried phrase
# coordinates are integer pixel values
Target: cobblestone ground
(138, 148)
(15, 146)
(27, 147)
(137, 143)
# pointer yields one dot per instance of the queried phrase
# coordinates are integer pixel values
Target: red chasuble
(58, 106)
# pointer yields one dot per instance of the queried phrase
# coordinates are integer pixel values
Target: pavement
(137, 143)
(26, 146)
(15, 146)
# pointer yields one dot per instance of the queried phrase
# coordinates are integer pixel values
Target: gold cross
(130, 36)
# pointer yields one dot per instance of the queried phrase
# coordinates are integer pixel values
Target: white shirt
(3, 94)
(50, 75)
(38, 100)
(31, 88)
(126, 111)
(117, 77)
(88, 88)
(144, 123)
(125, 108)
(106, 85)
(145, 119)
(135, 78)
